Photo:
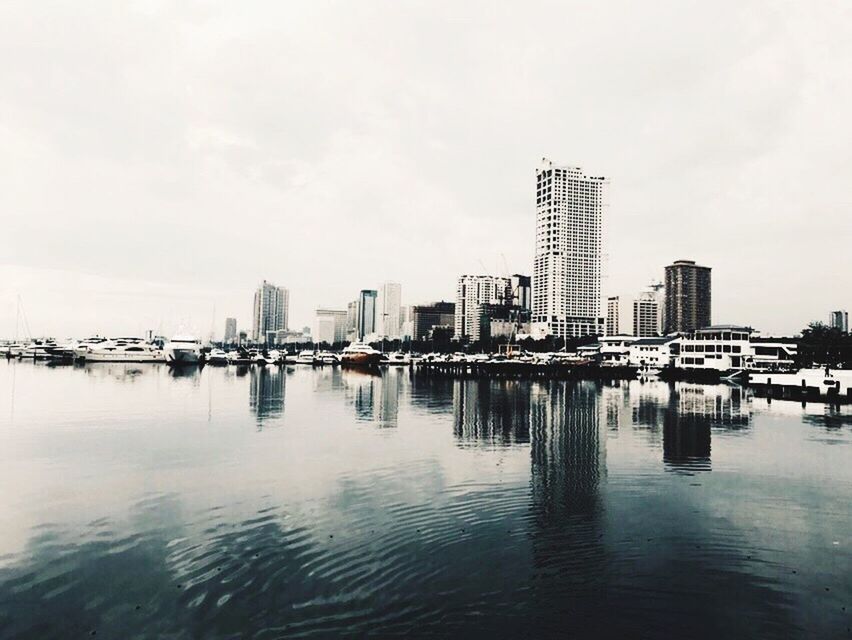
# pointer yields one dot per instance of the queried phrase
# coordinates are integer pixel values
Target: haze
(160, 159)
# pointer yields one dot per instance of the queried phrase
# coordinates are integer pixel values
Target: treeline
(822, 345)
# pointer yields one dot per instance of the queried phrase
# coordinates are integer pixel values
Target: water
(139, 502)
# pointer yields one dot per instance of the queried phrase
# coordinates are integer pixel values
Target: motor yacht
(183, 349)
(361, 354)
(326, 357)
(397, 358)
(217, 356)
(121, 350)
(305, 357)
(239, 356)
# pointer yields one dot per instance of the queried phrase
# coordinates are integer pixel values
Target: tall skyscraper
(471, 293)
(271, 305)
(839, 320)
(367, 313)
(230, 331)
(646, 315)
(566, 285)
(687, 296)
(388, 304)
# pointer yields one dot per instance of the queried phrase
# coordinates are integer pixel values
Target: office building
(367, 313)
(406, 326)
(687, 296)
(566, 281)
(330, 326)
(425, 317)
(471, 293)
(619, 316)
(230, 331)
(839, 320)
(388, 303)
(646, 315)
(271, 305)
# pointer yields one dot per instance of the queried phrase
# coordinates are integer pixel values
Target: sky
(160, 159)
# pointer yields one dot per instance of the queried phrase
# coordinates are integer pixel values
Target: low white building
(653, 353)
(720, 348)
(615, 350)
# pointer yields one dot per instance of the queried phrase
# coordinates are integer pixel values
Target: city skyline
(714, 158)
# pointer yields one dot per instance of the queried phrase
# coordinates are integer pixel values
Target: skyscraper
(521, 291)
(230, 331)
(567, 270)
(687, 296)
(619, 316)
(839, 320)
(366, 313)
(388, 304)
(271, 305)
(471, 293)
(330, 326)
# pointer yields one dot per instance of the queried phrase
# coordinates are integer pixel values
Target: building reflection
(266, 393)
(568, 463)
(374, 394)
(495, 412)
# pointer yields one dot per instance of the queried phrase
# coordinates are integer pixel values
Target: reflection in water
(374, 393)
(495, 412)
(266, 393)
(499, 509)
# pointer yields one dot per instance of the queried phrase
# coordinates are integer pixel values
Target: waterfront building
(839, 320)
(720, 348)
(330, 326)
(271, 306)
(687, 296)
(653, 353)
(619, 316)
(388, 303)
(230, 331)
(367, 313)
(773, 354)
(521, 291)
(566, 279)
(425, 317)
(471, 293)
(646, 315)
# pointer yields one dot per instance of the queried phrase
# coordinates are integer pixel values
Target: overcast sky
(160, 159)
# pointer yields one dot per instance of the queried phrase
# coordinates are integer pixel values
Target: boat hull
(361, 359)
(183, 356)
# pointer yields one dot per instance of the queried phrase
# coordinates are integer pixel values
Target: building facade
(388, 308)
(839, 320)
(619, 316)
(367, 313)
(566, 281)
(646, 315)
(688, 300)
(230, 331)
(425, 317)
(471, 293)
(330, 326)
(522, 291)
(271, 306)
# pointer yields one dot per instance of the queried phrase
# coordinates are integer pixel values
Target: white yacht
(217, 356)
(398, 358)
(361, 354)
(305, 357)
(121, 350)
(183, 349)
(326, 357)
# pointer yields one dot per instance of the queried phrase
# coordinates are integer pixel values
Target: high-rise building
(839, 320)
(271, 305)
(566, 282)
(687, 296)
(388, 304)
(230, 331)
(352, 321)
(646, 315)
(426, 317)
(471, 293)
(521, 291)
(367, 313)
(619, 316)
(406, 325)
(330, 326)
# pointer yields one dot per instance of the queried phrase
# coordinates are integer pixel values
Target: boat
(397, 358)
(84, 346)
(121, 350)
(183, 349)
(239, 357)
(360, 354)
(305, 357)
(217, 356)
(326, 357)
(38, 350)
(262, 359)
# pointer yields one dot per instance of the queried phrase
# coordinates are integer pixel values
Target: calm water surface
(303, 502)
